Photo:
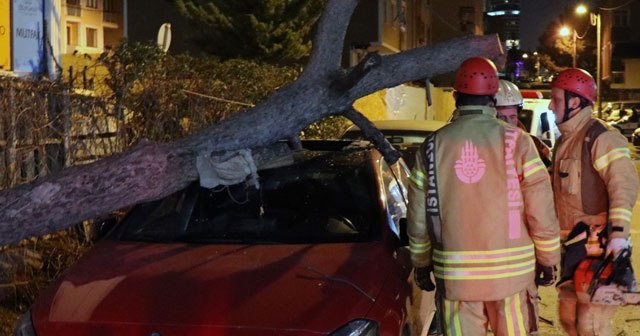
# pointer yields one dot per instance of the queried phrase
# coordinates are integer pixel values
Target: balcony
(112, 17)
(74, 10)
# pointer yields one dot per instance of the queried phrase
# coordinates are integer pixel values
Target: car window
(325, 199)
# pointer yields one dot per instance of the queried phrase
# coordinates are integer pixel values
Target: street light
(594, 19)
(565, 31)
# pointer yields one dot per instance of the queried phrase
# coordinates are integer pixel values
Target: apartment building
(91, 26)
(624, 48)
(389, 26)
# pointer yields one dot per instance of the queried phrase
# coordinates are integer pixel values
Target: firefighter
(481, 216)
(595, 186)
(508, 105)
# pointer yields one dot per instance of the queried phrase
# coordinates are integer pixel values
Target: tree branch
(152, 171)
(326, 53)
(390, 154)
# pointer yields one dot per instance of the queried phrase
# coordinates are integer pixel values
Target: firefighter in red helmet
(481, 218)
(595, 187)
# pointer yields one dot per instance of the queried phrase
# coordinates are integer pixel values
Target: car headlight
(359, 327)
(24, 327)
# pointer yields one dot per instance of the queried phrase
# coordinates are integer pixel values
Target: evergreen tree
(269, 30)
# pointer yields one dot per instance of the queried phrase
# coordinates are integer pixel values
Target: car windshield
(321, 198)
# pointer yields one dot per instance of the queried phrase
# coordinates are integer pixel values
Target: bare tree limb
(327, 45)
(150, 171)
(390, 154)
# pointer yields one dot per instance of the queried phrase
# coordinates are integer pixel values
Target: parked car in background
(615, 110)
(404, 135)
(629, 121)
(635, 138)
(315, 249)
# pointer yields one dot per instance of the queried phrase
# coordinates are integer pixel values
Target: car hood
(156, 287)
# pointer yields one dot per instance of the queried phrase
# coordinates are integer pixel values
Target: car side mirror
(106, 225)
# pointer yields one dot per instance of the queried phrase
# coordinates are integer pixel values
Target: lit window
(92, 37)
(92, 3)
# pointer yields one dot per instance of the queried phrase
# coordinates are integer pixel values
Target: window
(109, 6)
(92, 37)
(621, 18)
(72, 33)
(92, 3)
(73, 8)
(466, 15)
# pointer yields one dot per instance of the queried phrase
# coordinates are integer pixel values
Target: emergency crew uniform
(489, 218)
(610, 159)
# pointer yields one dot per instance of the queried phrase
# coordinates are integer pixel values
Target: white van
(539, 120)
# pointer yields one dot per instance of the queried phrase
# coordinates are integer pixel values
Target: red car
(314, 249)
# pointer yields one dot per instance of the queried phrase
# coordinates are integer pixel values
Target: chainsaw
(607, 282)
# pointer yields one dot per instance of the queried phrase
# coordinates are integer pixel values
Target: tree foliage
(556, 52)
(269, 30)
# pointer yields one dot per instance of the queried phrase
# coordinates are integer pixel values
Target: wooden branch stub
(369, 62)
(390, 154)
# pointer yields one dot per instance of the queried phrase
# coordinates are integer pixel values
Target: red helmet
(577, 81)
(477, 76)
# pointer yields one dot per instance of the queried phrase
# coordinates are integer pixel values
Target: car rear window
(326, 198)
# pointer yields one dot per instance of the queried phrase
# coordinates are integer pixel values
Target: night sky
(535, 16)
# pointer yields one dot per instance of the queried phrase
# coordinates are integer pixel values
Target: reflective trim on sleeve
(533, 166)
(620, 213)
(415, 247)
(616, 153)
(547, 245)
(417, 177)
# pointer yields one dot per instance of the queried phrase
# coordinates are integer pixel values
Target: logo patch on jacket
(469, 168)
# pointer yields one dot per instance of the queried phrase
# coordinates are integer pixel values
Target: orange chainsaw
(607, 282)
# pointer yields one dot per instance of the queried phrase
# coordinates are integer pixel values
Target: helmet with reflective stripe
(577, 81)
(477, 76)
(509, 94)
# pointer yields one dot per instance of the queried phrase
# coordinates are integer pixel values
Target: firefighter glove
(422, 276)
(616, 245)
(545, 275)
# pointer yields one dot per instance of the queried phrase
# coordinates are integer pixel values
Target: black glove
(422, 276)
(545, 275)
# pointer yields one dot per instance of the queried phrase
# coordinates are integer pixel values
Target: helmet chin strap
(566, 107)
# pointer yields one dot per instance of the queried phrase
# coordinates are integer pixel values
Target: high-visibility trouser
(516, 315)
(584, 319)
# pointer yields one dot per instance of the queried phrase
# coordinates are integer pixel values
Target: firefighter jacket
(481, 208)
(578, 195)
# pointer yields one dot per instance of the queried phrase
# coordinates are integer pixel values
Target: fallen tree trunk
(150, 171)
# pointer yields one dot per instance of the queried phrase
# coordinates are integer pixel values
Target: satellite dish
(164, 36)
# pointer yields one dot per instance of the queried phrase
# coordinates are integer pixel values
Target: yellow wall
(5, 34)
(380, 105)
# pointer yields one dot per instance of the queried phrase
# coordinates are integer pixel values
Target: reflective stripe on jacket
(611, 160)
(488, 204)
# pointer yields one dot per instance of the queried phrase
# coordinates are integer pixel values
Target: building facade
(623, 48)
(92, 26)
(503, 18)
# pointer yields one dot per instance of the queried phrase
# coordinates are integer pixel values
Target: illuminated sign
(5, 35)
(27, 36)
